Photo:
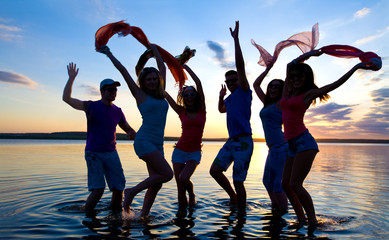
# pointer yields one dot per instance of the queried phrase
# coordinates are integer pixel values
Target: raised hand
(72, 70)
(223, 91)
(235, 33)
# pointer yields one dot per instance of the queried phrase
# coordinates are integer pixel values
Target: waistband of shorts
(298, 136)
(278, 145)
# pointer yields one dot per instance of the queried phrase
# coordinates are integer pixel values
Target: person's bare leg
(217, 173)
(240, 193)
(294, 200)
(184, 178)
(161, 173)
(116, 200)
(301, 167)
(181, 190)
(92, 200)
(149, 199)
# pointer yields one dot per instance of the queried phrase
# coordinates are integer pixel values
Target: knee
(99, 192)
(285, 185)
(294, 186)
(183, 179)
(214, 170)
(167, 176)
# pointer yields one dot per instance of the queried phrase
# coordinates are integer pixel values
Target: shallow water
(43, 189)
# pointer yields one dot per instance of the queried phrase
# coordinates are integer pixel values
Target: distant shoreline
(121, 136)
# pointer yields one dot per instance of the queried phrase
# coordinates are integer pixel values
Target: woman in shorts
(148, 144)
(190, 107)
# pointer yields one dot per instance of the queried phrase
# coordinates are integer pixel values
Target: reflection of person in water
(100, 152)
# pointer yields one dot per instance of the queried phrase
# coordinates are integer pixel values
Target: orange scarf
(104, 33)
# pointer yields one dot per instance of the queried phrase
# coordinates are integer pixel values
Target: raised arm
(198, 84)
(135, 90)
(257, 84)
(222, 108)
(67, 92)
(300, 59)
(315, 93)
(177, 108)
(239, 61)
(160, 63)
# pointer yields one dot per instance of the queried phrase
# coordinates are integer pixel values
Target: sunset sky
(39, 38)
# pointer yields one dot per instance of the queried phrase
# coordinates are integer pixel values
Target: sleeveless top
(238, 106)
(153, 113)
(101, 126)
(192, 132)
(271, 118)
(293, 111)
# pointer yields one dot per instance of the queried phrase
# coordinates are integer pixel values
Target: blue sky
(39, 38)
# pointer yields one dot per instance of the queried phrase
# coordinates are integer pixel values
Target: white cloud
(10, 28)
(9, 37)
(361, 13)
(368, 39)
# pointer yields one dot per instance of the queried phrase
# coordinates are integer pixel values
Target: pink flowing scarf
(345, 51)
(306, 41)
(104, 33)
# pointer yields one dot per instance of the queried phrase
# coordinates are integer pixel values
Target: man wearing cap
(100, 152)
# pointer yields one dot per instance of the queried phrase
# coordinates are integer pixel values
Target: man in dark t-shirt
(102, 159)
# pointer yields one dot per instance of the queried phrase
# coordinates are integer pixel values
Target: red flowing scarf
(104, 33)
(345, 51)
(306, 41)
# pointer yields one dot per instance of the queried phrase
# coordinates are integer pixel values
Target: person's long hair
(181, 101)
(309, 80)
(159, 92)
(268, 99)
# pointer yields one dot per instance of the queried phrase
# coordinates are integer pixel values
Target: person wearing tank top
(299, 93)
(271, 117)
(148, 143)
(190, 107)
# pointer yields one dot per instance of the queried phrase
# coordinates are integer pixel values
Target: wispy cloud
(9, 37)
(368, 39)
(220, 57)
(361, 13)
(90, 90)
(380, 95)
(10, 28)
(332, 119)
(16, 78)
(7, 33)
(331, 112)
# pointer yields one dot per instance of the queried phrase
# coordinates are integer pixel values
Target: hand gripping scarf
(345, 51)
(104, 33)
(306, 41)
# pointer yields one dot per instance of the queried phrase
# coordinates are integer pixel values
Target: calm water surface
(43, 188)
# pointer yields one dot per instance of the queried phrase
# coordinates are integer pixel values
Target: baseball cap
(108, 82)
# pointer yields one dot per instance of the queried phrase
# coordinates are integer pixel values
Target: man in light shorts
(102, 159)
(239, 146)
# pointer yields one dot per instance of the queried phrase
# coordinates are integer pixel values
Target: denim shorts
(302, 142)
(274, 167)
(238, 151)
(143, 147)
(180, 156)
(104, 166)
